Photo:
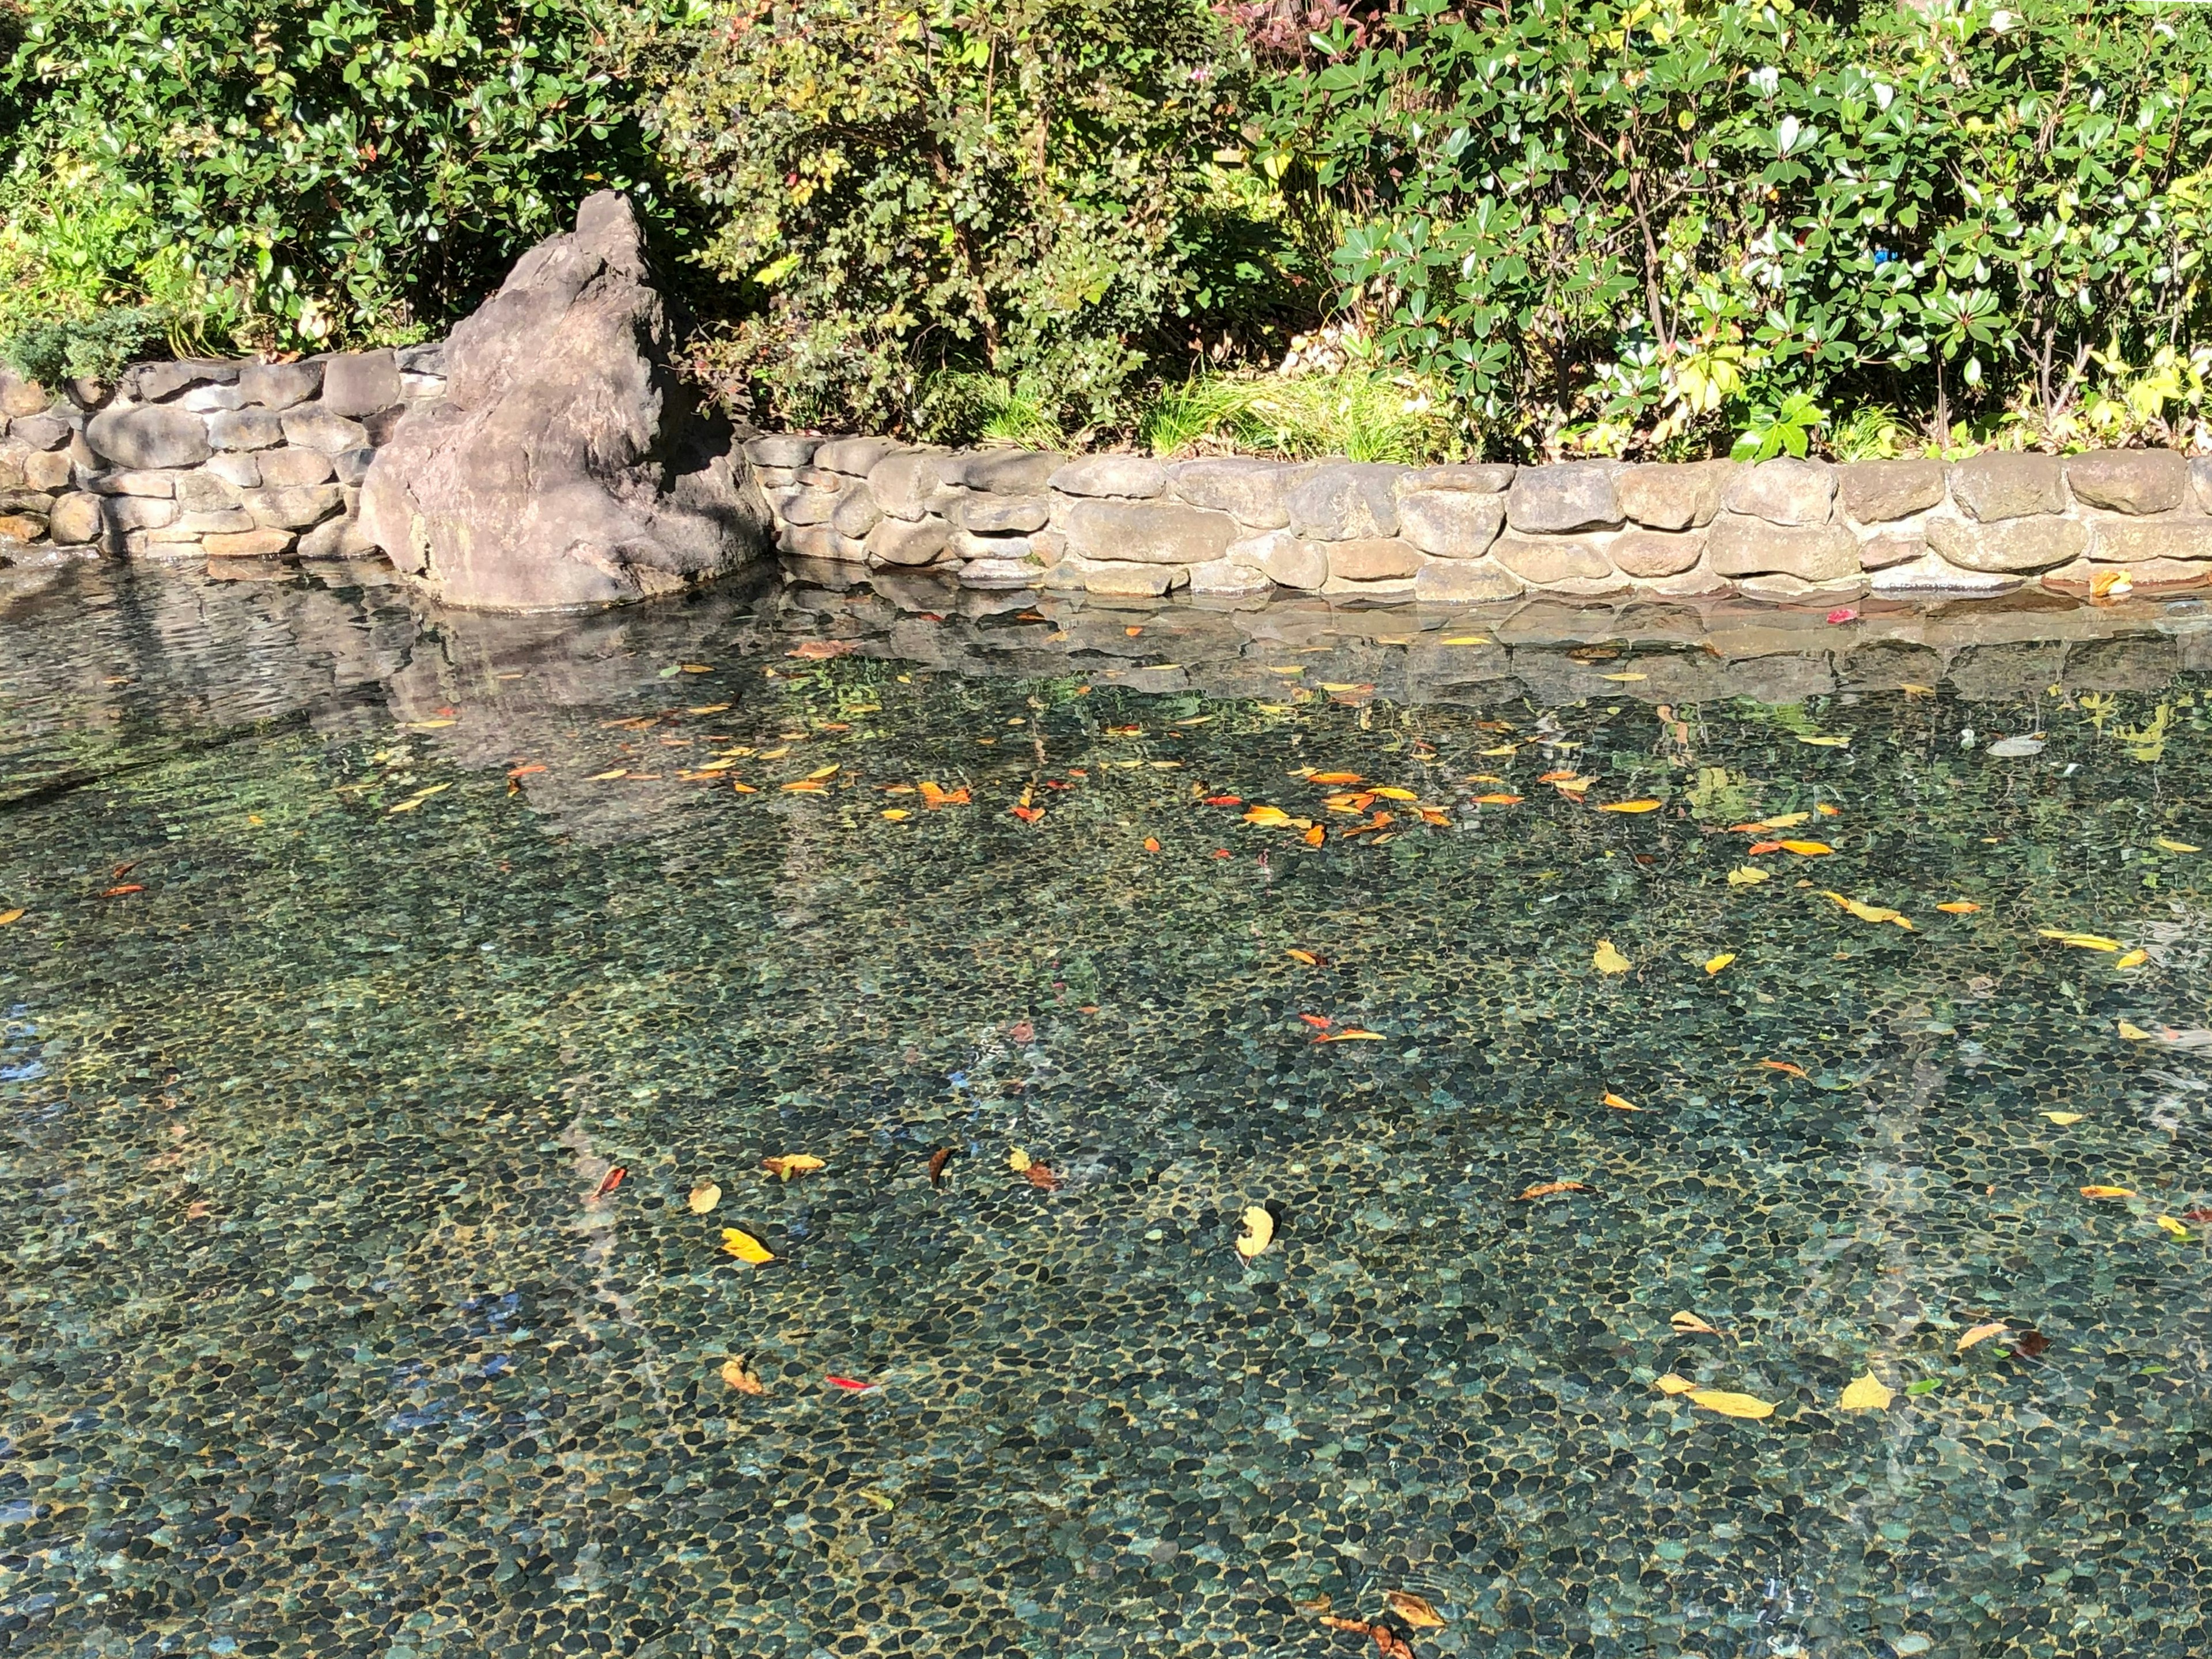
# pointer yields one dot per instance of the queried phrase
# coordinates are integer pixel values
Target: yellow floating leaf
(1352, 1034)
(1415, 1610)
(805, 786)
(2174, 845)
(2108, 1192)
(1396, 794)
(1259, 1232)
(1783, 821)
(1618, 1104)
(790, 1164)
(1979, 1333)
(1959, 907)
(1866, 912)
(735, 1374)
(2172, 1225)
(1501, 748)
(608, 777)
(1306, 956)
(709, 709)
(1825, 743)
(1745, 876)
(1624, 676)
(1467, 639)
(1335, 777)
(7, 916)
(1270, 816)
(1631, 806)
(2080, 941)
(2132, 1032)
(1686, 1323)
(1714, 964)
(745, 1247)
(696, 667)
(704, 1197)
(1806, 849)
(820, 772)
(1727, 1404)
(1606, 960)
(2135, 958)
(2064, 1119)
(1671, 1383)
(1865, 1394)
(425, 725)
(1018, 1160)
(896, 814)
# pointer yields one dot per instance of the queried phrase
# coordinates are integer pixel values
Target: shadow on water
(360, 945)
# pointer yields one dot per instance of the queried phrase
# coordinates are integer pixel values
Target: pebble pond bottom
(1736, 1169)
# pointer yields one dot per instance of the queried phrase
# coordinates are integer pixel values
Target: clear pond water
(359, 947)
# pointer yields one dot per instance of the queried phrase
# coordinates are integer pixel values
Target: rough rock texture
(1673, 496)
(1476, 478)
(2010, 545)
(1991, 488)
(1552, 501)
(1741, 546)
(1465, 581)
(1551, 561)
(566, 465)
(1139, 477)
(1655, 553)
(1348, 501)
(1784, 491)
(1372, 558)
(1880, 492)
(1249, 490)
(1284, 558)
(2132, 541)
(1146, 532)
(148, 435)
(2136, 481)
(1452, 524)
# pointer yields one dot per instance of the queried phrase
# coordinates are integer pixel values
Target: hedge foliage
(1612, 226)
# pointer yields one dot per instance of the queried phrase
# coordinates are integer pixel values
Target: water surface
(360, 945)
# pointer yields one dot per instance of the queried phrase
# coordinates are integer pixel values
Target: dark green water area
(359, 948)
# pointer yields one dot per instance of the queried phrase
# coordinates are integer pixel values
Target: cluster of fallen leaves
(1415, 1613)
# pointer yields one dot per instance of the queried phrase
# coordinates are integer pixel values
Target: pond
(1634, 1030)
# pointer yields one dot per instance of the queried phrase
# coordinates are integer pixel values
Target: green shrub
(1046, 192)
(296, 171)
(1613, 222)
(95, 348)
(1361, 414)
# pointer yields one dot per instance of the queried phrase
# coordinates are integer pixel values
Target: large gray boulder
(566, 466)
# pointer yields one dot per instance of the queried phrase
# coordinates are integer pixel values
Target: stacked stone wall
(233, 462)
(1782, 530)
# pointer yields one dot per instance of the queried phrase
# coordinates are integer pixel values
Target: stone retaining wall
(244, 463)
(235, 462)
(1782, 529)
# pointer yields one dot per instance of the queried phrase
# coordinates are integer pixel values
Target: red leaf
(938, 1160)
(128, 887)
(848, 1384)
(1224, 800)
(1042, 1176)
(614, 1179)
(1319, 1021)
(1844, 613)
(1765, 847)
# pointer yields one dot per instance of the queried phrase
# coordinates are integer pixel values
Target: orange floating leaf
(1040, 1175)
(820, 650)
(1785, 1065)
(1152, 844)
(790, 1164)
(1027, 814)
(1806, 849)
(1314, 837)
(1546, 1189)
(1498, 800)
(938, 1160)
(1758, 847)
(1566, 776)
(2108, 1192)
(1618, 1104)
(1416, 1611)
(735, 1374)
(1335, 777)
(1306, 956)
(1959, 908)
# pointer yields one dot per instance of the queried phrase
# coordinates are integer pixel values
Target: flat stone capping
(1806, 532)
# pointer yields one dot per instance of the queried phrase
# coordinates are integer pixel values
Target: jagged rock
(566, 465)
